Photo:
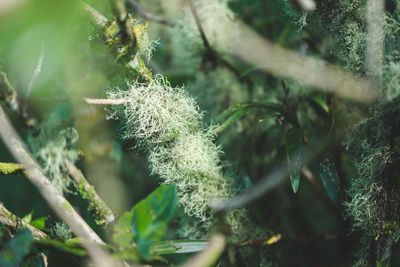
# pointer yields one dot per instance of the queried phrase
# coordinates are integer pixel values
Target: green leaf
(330, 178)
(39, 223)
(237, 111)
(147, 222)
(321, 102)
(15, 250)
(294, 139)
(67, 247)
(28, 217)
(178, 246)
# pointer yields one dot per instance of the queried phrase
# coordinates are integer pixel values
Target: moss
(53, 147)
(96, 206)
(10, 168)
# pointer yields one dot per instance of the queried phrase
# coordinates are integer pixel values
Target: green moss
(10, 168)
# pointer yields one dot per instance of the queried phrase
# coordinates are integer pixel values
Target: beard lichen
(375, 191)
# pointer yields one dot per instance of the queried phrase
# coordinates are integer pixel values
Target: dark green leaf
(294, 140)
(178, 246)
(330, 178)
(15, 250)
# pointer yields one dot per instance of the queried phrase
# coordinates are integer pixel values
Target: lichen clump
(374, 205)
(167, 123)
(53, 147)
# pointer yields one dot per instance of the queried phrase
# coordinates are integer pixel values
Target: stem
(9, 219)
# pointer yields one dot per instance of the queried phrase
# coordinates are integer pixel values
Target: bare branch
(150, 16)
(257, 51)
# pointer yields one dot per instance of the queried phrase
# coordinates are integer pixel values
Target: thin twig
(100, 101)
(9, 219)
(150, 16)
(59, 204)
(279, 237)
(103, 213)
(9, 95)
(210, 255)
(200, 27)
(36, 72)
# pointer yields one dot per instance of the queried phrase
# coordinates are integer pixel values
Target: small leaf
(330, 178)
(293, 154)
(239, 111)
(321, 102)
(28, 217)
(15, 250)
(39, 223)
(178, 246)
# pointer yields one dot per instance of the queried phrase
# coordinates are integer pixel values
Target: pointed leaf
(330, 178)
(178, 246)
(293, 154)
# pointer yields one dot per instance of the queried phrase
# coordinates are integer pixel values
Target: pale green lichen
(53, 147)
(62, 231)
(168, 124)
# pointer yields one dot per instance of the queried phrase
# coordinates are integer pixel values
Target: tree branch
(9, 219)
(103, 213)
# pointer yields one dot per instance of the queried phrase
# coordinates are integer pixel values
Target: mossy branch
(102, 211)
(9, 219)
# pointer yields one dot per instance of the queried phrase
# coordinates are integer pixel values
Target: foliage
(196, 124)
